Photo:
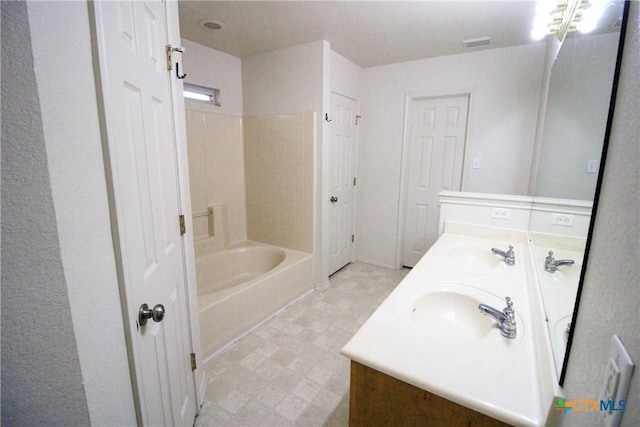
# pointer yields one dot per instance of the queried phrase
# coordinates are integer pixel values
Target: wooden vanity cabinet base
(377, 399)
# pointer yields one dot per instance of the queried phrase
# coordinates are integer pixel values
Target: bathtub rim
(292, 257)
(253, 253)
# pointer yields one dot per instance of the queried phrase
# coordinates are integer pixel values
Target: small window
(203, 94)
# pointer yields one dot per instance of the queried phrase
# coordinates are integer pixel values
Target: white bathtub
(238, 288)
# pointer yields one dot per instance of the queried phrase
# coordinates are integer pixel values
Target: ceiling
(369, 33)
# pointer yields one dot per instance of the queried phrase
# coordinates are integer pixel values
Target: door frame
(182, 156)
(409, 100)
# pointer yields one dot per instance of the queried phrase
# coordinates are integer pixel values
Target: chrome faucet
(508, 256)
(551, 264)
(506, 318)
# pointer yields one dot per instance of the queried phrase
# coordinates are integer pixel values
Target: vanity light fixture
(560, 17)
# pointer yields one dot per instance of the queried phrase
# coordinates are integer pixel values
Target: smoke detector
(479, 42)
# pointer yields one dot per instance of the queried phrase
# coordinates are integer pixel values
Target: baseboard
(378, 263)
(202, 389)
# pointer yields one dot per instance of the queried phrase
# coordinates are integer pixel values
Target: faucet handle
(508, 326)
(510, 258)
(508, 310)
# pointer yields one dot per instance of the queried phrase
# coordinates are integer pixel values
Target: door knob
(333, 199)
(156, 314)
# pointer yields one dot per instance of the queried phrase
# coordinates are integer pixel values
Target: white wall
(610, 297)
(63, 338)
(283, 81)
(33, 358)
(217, 70)
(505, 91)
(345, 76)
(76, 166)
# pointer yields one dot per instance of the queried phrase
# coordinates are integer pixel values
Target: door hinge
(354, 180)
(169, 51)
(183, 227)
(353, 238)
(193, 362)
(358, 118)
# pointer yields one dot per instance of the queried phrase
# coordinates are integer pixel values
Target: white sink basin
(475, 257)
(451, 313)
(450, 317)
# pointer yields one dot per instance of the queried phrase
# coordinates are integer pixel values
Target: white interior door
(437, 140)
(341, 167)
(141, 138)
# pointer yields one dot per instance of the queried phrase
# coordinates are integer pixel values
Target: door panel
(142, 153)
(342, 156)
(437, 143)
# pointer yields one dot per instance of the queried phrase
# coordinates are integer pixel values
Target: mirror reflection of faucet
(565, 335)
(551, 264)
(506, 318)
(508, 256)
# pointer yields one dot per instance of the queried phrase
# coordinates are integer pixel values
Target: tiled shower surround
(278, 153)
(216, 171)
(260, 169)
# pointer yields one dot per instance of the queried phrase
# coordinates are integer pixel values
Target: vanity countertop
(493, 375)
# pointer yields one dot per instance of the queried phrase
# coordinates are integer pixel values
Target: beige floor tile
(289, 371)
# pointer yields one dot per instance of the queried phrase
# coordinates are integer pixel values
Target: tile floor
(289, 371)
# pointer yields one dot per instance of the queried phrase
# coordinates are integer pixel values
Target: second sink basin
(475, 257)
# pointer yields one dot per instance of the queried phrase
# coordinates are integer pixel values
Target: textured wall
(611, 293)
(61, 41)
(41, 380)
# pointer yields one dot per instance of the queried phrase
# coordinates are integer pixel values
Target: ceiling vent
(472, 43)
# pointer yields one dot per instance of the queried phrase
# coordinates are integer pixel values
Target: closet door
(437, 141)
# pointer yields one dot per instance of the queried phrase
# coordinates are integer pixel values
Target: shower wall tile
(279, 179)
(197, 170)
(216, 170)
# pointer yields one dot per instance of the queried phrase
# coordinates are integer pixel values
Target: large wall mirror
(577, 118)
